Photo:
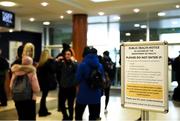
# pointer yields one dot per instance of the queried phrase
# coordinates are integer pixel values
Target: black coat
(46, 75)
(66, 71)
(176, 68)
(4, 66)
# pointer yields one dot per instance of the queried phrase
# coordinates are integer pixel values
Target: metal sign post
(144, 77)
(144, 115)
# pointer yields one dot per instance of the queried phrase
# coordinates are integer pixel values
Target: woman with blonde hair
(28, 50)
(46, 75)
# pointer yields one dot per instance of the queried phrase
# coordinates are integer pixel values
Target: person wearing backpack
(86, 95)
(109, 69)
(24, 87)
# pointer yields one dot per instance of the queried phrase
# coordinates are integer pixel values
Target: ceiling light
(136, 25)
(96, 1)
(116, 18)
(10, 30)
(161, 14)
(136, 10)
(7, 3)
(101, 13)
(61, 17)
(46, 23)
(44, 4)
(69, 11)
(177, 6)
(31, 19)
(128, 34)
(143, 26)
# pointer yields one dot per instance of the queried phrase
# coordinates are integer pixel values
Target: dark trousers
(43, 108)
(59, 96)
(26, 110)
(94, 111)
(106, 90)
(3, 97)
(69, 95)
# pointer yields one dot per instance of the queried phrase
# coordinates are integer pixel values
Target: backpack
(110, 68)
(21, 88)
(95, 80)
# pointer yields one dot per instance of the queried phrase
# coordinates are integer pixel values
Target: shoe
(44, 114)
(139, 119)
(98, 119)
(65, 118)
(48, 113)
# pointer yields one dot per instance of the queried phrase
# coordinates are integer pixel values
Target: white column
(147, 29)
(47, 35)
(147, 32)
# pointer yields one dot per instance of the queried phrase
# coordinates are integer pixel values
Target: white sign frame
(132, 95)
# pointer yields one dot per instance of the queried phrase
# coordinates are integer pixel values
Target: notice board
(144, 75)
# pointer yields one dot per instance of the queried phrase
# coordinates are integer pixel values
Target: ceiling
(32, 8)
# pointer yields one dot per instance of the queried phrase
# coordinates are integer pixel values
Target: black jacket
(67, 71)
(46, 75)
(4, 66)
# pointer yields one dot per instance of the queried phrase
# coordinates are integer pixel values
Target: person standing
(109, 69)
(67, 85)
(85, 94)
(46, 75)
(176, 68)
(19, 55)
(4, 68)
(26, 109)
(58, 71)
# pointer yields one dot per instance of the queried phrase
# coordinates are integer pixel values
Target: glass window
(97, 19)
(106, 36)
(174, 39)
(97, 35)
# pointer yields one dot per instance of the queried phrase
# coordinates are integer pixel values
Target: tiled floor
(115, 111)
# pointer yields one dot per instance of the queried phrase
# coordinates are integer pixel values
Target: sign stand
(144, 77)
(144, 115)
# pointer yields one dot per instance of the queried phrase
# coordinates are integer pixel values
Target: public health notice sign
(144, 75)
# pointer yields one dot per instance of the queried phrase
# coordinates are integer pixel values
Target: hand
(72, 58)
(59, 58)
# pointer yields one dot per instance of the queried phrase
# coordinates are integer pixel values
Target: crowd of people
(64, 70)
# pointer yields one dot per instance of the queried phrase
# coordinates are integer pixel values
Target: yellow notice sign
(144, 91)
